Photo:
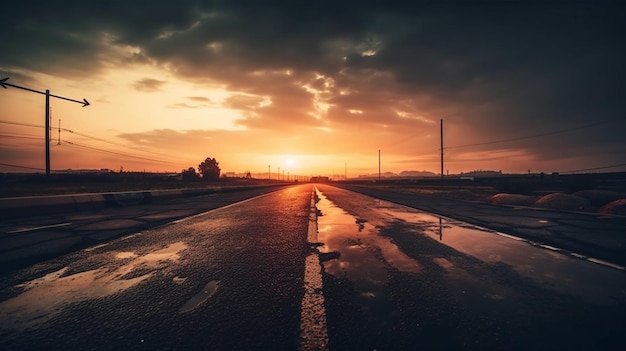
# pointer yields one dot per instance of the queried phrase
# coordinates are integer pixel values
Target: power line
(596, 168)
(116, 153)
(528, 136)
(98, 139)
(10, 132)
(428, 153)
(24, 167)
(83, 135)
(21, 137)
(112, 143)
(22, 124)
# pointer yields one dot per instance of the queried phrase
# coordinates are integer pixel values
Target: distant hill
(481, 173)
(403, 174)
(417, 174)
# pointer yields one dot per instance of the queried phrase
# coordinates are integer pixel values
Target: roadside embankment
(589, 201)
(24, 206)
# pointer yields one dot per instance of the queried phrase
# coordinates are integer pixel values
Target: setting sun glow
(187, 82)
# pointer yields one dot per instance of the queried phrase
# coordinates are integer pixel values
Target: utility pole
(47, 132)
(345, 171)
(269, 173)
(441, 138)
(4, 84)
(59, 140)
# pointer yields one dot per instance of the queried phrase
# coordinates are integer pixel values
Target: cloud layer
(545, 78)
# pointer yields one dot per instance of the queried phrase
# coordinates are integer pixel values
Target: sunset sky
(310, 87)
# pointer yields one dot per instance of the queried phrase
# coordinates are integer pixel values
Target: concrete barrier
(14, 207)
(88, 202)
(35, 205)
(127, 199)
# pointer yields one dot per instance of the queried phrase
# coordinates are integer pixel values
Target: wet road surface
(25, 240)
(315, 268)
(403, 279)
(231, 278)
(593, 235)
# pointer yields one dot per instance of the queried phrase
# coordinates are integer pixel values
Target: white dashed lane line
(31, 229)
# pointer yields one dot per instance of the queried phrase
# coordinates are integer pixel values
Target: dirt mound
(617, 207)
(599, 198)
(512, 199)
(566, 202)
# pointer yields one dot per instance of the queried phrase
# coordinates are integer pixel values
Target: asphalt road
(230, 278)
(271, 272)
(408, 280)
(31, 238)
(591, 235)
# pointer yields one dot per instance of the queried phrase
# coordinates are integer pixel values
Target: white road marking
(564, 252)
(314, 334)
(23, 230)
(605, 263)
(185, 219)
(89, 249)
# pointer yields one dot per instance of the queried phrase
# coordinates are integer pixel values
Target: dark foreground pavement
(591, 235)
(226, 279)
(238, 277)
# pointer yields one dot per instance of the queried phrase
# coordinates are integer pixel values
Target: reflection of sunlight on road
(46, 296)
(360, 246)
(543, 264)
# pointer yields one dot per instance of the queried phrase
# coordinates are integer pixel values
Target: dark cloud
(182, 105)
(199, 99)
(492, 70)
(148, 85)
(244, 102)
(15, 77)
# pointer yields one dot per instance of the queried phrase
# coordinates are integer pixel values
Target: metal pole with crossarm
(4, 84)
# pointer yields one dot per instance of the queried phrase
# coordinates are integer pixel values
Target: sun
(290, 162)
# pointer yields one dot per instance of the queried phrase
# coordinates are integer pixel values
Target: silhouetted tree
(210, 169)
(190, 174)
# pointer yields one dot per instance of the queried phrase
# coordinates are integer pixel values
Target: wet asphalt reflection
(44, 297)
(224, 278)
(339, 271)
(364, 256)
(406, 278)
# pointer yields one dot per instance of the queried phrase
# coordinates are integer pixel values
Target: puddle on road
(364, 256)
(359, 260)
(46, 296)
(541, 263)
